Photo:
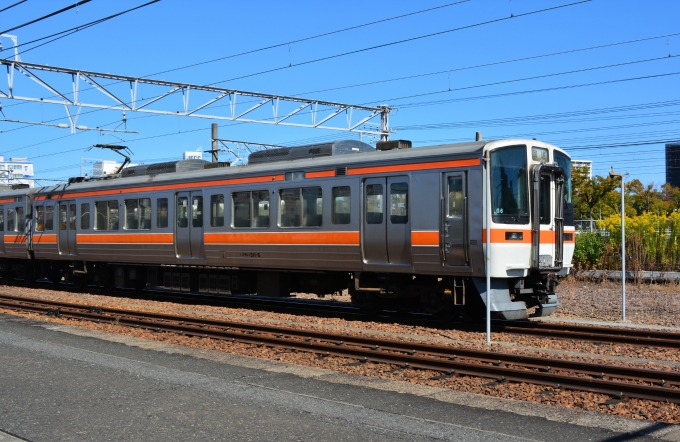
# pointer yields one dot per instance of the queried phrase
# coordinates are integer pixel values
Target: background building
(584, 163)
(16, 170)
(673, 164)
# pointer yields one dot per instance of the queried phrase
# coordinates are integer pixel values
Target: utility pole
(214, 149)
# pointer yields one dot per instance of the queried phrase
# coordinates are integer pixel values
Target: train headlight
(514, 236)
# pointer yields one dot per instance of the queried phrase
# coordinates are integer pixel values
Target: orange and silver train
(399, 228)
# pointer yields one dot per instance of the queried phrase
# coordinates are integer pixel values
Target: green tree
(589, 192)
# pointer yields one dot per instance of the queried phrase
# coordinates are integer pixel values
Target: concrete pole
(623, 248)
(488, 207)
(214, 143)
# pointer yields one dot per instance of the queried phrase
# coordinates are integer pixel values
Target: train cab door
(189, 224)
(548, 217)
(454, 229)
(386, 230)
(2, 230)
(66, 235)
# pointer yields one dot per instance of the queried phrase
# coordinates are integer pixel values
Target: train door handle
(447, 226)
(447, 248)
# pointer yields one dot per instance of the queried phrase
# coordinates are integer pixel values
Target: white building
(16, 170)
(196, 155)
(584, 163)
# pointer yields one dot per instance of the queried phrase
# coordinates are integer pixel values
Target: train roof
(364, 158)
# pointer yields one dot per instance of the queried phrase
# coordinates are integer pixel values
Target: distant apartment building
(587, 164)
(673, 164)
(16, 170)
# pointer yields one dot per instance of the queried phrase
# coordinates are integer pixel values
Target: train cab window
(39, 218)
(106, 215)
(510, 185)
(374, 204)
(544, 200)
(182, 212)
(399, 203)
(49, 218)
(18, 227)
(2, 220)
(11, 220)
(301, 207)
(138, 214)
(162, 213)
(85, 216)
(197, 211)
(217, 210)
(341, 205)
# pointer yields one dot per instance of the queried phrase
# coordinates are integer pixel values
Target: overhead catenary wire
(72, 31)
(13, 5)
(51, 14)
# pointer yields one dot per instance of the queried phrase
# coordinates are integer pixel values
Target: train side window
(162, 213)
(182, 212)
(312, 201)
(101, 209)
(62, 216)
(145, 213)
(39, 218)
(131, 214)
(399, 203)
(85, 216)
(2, 220)
(374, 204)
(113, 215)
(18, 227)
(261, 209)
(197, 211)
(49, 218)
(456, 200)
(217, 210)
(341, 205)
(241, 209)
(11, 219)
(290, 210)
(72, 217)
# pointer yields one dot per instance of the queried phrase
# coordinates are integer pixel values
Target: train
(398, 228)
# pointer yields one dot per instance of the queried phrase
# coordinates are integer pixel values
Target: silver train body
(400, 228)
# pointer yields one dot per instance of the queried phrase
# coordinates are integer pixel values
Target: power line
(11, 6)
(51, 14)
(75, 29)
(406, 40)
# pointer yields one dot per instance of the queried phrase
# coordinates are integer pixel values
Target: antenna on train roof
(119, 150)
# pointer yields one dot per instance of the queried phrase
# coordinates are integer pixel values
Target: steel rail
(444, 359)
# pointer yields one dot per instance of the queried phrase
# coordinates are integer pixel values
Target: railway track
(618, 381)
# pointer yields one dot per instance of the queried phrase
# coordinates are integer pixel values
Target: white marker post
(488, 249)
(613, 175)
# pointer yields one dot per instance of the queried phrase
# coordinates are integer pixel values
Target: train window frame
(197, 211)
(162, 213)
(2, 219)
(63, 216)
(142, 217)
(523, 187)
(338, 217)
(217, 210)
(84, 216)
(49, 217)
(257, 204)
(40, 218)
(397, 215)
(111, 213)
(371, 216)
(19, 226)
(305, 213)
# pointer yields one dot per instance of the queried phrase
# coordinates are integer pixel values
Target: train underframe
(448, 297)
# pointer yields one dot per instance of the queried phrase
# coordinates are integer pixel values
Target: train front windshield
(510, 185)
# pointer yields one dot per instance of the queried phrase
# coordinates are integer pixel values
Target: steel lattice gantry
(323, 114)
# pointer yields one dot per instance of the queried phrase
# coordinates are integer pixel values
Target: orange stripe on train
(125, 238)
(292, 238)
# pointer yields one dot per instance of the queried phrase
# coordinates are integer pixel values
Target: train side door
(189, 224)
(454, 232)
(386, 233)
(67, 228)
(2, 230)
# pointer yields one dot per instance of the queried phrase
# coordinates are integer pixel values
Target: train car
(399, 228)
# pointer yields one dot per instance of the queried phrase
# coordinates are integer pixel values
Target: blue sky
(591, 122)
